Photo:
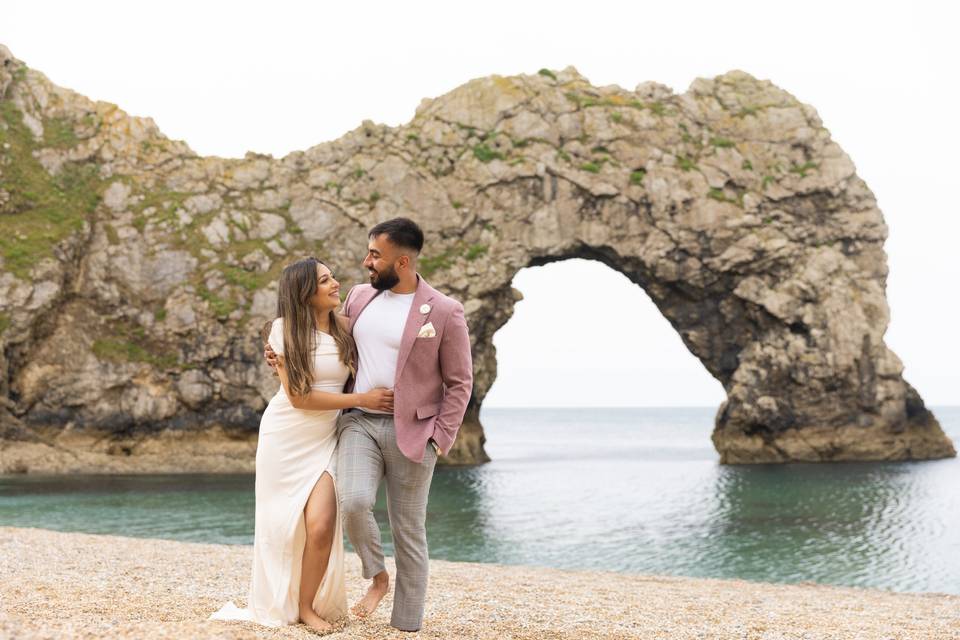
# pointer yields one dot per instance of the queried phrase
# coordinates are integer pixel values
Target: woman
(298, 572)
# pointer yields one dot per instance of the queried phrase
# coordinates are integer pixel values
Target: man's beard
(385, 280)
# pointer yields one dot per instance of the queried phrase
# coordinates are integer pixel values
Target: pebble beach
(72, 585)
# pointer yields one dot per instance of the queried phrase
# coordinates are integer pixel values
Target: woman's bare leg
(320, 517)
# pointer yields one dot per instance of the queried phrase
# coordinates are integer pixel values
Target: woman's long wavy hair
(298, 283)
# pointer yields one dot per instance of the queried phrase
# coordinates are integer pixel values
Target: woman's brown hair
(298, 283)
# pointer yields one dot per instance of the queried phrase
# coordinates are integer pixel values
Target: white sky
(228, 77)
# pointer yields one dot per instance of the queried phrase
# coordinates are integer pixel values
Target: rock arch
(729, 205)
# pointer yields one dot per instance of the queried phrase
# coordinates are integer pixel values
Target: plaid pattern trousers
(366, 454)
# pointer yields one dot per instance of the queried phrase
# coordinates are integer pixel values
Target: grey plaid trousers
(366, 454)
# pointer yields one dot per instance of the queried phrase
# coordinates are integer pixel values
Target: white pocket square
(427, 331)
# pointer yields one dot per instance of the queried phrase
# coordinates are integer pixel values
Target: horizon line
(658, 406)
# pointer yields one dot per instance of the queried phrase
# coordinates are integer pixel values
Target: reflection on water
(868, 524)
(635, 490)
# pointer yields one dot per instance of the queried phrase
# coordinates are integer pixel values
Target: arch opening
(585, 336)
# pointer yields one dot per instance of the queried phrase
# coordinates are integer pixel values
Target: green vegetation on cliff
(41, 209)
(129, 342)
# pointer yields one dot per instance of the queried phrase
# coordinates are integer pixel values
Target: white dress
(294, 449)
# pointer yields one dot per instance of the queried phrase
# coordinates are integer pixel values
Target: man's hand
(270, 356)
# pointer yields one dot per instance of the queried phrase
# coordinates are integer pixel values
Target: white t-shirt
(378, 332)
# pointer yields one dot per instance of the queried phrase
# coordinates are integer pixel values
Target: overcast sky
(228, 77)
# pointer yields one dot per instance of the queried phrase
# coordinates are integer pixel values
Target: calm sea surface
(634, 490)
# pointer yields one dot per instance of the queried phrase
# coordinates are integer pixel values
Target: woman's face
(327, 296)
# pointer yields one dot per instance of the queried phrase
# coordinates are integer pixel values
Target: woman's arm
(377, 399)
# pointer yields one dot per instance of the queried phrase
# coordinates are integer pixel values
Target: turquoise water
(634, 490)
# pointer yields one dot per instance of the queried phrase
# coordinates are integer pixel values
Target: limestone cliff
(134, 273)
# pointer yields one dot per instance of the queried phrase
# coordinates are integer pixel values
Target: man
(413, 339)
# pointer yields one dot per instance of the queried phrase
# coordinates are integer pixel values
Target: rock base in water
(834, 444)
(210, 451)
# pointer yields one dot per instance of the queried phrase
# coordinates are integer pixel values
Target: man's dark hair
(403, 232)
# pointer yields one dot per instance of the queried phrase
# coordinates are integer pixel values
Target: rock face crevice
(135, 274)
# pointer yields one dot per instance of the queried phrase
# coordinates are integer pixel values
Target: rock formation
(135, 274)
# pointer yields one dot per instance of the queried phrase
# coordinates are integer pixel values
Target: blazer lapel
(415, 320)
(363, 300)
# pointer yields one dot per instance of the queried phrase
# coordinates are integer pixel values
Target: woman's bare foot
(368, 603)
(314, 622)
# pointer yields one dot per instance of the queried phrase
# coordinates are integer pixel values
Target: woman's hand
(377, 399)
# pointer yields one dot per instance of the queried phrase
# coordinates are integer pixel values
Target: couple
(375, 393)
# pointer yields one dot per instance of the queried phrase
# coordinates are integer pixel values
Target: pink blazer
(434, 377)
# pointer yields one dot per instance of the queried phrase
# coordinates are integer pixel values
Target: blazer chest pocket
(427, 331)
(427, 411)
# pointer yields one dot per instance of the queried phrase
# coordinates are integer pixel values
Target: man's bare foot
(314, 622)
(368, 603)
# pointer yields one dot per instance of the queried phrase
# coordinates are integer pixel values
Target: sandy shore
(69, 585)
